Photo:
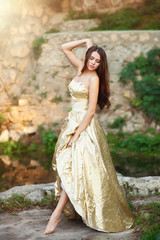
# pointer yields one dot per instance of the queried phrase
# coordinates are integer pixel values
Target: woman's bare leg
(56, 215)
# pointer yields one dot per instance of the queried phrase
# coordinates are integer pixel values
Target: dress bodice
(79, 94)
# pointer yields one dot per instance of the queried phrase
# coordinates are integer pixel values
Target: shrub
(117, 21)
(49, 142)
(117, 123)
(148, 88)
(37, 46)
(136, 151)
(144, 17)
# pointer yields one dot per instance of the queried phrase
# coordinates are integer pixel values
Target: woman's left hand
(73, 139)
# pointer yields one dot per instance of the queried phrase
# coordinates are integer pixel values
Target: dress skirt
(86, 172)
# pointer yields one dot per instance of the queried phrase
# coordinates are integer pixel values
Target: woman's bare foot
(52, 224)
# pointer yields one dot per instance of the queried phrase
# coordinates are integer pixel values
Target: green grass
(20, 202)
(145, 17)
(147, 218)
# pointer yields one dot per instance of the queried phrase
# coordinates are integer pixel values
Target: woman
(87, 184)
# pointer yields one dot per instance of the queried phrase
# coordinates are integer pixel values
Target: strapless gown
(86, 172)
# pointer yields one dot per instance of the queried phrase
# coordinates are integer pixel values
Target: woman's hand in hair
(89, 43)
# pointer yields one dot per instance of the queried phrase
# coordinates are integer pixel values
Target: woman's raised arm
(67, 49)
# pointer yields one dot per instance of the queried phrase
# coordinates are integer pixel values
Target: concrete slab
(30, 225)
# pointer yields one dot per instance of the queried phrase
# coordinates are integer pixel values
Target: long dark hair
(103, 74)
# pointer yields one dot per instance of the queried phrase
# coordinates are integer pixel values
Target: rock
(14, 116)
(20, 50)
(78, 25)
(127, 94)
(12, 75)
(30, 129)
(114, 37)
(144, 37)
(28, 190)
(22, 102)
(14, 135)
(15, 90)
(4, 137)
(30, 225)
(39, 11)
(1, 86)
(35, 196)
(44, 20)
(141, 185)
(23, 64)
(5, 159)
(139, 77)
(34, 163)
(125, 36)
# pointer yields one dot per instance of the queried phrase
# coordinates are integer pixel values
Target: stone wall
(36, 92)
(102, 5)
(20, 23)
(44, 96)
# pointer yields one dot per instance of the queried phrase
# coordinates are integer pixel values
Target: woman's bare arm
(67, 49)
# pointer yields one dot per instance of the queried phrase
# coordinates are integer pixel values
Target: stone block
(4, 136)
(20, 50)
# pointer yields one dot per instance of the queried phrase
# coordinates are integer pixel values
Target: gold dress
(86, 172)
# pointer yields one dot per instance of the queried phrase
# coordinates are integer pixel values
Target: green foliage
(49, 142)
(152, 234)
(2, 120)
(117, 123)
(52, 30)
(43, 94)
(12, 147)
(57, 99)
(54, 74)
(131, 205)
(77, 15)
(34, 77)
(37, 46)
(117, 21)
(147, 220)
(55, 124)
(145, 75)
(37, 87)
(69, 109)
(144, 17)
(135, 150)
(135, 142)
(142, 143)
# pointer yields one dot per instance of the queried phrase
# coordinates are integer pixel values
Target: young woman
(87, 184)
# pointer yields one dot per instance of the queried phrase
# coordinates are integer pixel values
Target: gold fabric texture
(86, 172)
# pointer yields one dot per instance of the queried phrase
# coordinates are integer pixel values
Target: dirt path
(30, 224)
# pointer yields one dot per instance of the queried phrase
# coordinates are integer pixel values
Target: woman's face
(93, 61)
